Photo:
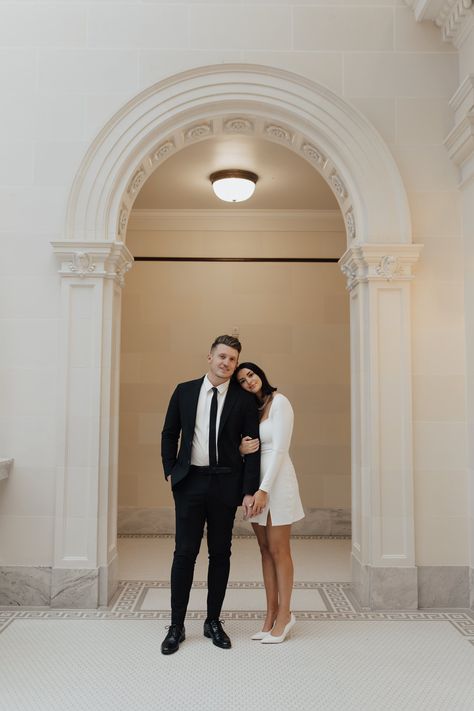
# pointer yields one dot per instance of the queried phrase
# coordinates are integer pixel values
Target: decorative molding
(350, 224)
(384, 262)
(278, 132)
(106, 260)
(313, 154)
(455, 18)
(230, 220)
(5, 467)
(460, 141)
(462, 100)
(163, 151)
(81, 264)
(456, 21)
(388, 267)
(202, 130)
(239, 125)
(136, 183)
(122, 222)
(305, 116)
(338, 186)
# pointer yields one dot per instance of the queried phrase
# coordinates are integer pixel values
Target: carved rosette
(379, 263)
(238, 125)
(122, 223)
(81, 264)
(338, 186)
(388, 267)
(136, 183)
(162, 151)
(350, 224)
(198, 131)
(278, 132)
(313, 154)
(97, 260)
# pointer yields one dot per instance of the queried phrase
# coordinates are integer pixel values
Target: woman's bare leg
(269, 577)
(278, 538)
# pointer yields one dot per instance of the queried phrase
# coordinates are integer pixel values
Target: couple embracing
(225, 443)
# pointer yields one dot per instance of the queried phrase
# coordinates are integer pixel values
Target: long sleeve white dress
(277, 473)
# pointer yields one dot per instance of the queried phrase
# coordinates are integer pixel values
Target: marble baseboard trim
(385, 588)
(444, 586)
(71, 587)
(317, 522)
(108, 581)
(27, 586)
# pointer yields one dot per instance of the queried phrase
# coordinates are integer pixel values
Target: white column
(460, 144)
(383, 552)
(92, 273)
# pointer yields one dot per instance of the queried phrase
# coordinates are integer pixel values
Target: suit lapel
(230, 400)
(192, 401)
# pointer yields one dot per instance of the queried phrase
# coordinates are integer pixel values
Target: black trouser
(196, 503)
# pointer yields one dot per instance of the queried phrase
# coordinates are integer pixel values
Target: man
(209, 480)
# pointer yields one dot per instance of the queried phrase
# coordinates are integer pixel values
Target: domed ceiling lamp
(233, 185)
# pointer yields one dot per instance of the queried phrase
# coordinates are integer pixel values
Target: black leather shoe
(171, 642)
(213, 629)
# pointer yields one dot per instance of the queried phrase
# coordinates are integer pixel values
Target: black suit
(207, 495)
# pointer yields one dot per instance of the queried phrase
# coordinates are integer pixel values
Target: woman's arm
(281, 415)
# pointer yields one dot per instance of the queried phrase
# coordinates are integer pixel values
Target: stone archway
(343, 146)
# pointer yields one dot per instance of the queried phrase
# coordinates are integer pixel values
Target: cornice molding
(103, 260)
(379, 263)
(230, 221)
(455, 18)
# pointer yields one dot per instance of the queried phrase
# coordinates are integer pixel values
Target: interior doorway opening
(269, 276)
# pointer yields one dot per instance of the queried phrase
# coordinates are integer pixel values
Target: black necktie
(212, 430)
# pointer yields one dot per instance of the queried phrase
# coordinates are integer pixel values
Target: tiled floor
(338, 658)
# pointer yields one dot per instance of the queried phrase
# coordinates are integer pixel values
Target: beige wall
(292, 319)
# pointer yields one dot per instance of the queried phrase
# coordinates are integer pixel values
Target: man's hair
(230, 341)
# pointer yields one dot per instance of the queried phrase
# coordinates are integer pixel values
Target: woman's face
(249, 381)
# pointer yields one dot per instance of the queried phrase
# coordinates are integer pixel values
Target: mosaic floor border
(337, 596)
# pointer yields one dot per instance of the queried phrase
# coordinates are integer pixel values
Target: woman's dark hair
(267, 389)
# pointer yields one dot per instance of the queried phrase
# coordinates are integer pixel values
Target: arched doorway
(351, 156)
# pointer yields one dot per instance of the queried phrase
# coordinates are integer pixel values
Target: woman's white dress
(277, 474)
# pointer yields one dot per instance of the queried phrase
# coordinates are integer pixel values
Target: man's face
(222, 362)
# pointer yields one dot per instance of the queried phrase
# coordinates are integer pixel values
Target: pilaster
(383, 552)
(92, 274)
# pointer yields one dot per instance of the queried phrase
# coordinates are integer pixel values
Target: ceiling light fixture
(233, 185)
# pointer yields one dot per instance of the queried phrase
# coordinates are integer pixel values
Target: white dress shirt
(200, 449)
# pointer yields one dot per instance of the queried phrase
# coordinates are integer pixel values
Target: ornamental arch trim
(274, 105)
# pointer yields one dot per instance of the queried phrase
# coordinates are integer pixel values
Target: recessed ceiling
(286, 181)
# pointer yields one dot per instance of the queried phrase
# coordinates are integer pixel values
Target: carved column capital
(106, 260)
(384, 263)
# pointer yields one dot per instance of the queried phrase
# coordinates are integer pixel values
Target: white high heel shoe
(271, 639)
(259, 635)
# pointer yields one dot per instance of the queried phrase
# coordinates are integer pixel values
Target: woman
(277, 503)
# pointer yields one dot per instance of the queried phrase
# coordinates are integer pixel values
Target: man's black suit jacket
(239, 418)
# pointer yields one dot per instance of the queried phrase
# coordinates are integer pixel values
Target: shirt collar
(222, 388)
